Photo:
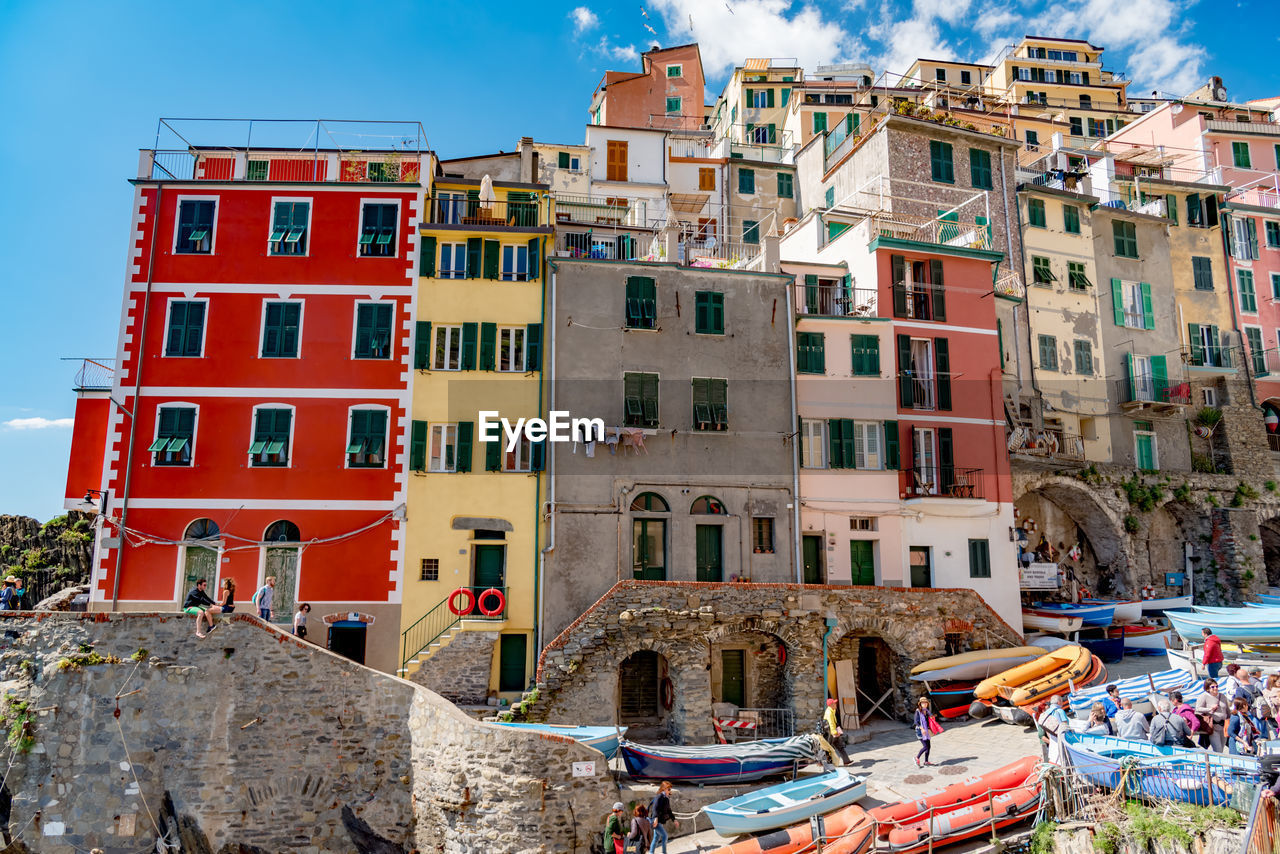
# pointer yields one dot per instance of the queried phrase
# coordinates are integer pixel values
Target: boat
(1109, 649)
(786, 803)
(1251, 655)
(1042, 622)
(603, 738)
(1156, 607)
(1085, 669)
(1047, 642)
(951, 699)
(740, 762)
(1020, 714)
(1097, 616)
(1139, 689)
(1126, 611)
(1249, 609)
(1269, 598)
(978, 664)
(963, 810)
(1141, 638)
(1235, 627)
(1035, 669)
(848, 831)
(1158, 771)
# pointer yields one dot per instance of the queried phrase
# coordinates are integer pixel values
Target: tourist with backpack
(262, 599)
(1188, 714)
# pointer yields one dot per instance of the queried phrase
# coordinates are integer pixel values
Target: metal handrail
(459, 210)
(432, 625)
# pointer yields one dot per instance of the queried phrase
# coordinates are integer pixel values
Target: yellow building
(472, 541)
(753, 106)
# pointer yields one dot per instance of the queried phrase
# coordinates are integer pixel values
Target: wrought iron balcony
(836, 300)
(941, 481)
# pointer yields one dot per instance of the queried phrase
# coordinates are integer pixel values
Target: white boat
(1191, 660)
(1126, 612)
(1156, 607)
(786, 803)
(1063, 624)
(1047, 642)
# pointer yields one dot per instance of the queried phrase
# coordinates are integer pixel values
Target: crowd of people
(648, 827)
(199, 604)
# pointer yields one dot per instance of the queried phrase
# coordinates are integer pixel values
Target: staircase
(437, 628)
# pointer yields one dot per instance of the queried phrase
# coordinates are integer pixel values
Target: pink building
(667, 93)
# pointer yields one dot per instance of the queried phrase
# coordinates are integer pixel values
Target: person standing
(1212, 655)
(641, 829)
(300, 620)
(833, 732)
(1187, 713)
(1168, 727)
(1054, 722)
(614, 833)
(923, 732)
(226, 604)
(660, 812)
(264, 596)
(1242, 730)
(1212, 709)
(9, 595)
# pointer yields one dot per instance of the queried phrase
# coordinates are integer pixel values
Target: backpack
(1161, 730)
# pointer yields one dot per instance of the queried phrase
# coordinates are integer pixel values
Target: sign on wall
(1039, 576)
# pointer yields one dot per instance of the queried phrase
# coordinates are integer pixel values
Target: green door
(489, 566)
(733, 683)
(512, 650)
(202, 563)
(710, 566)
(812, 547)
(921, 571)
(862, 566)
(648, 549)
(283, 565)
(1145, 446)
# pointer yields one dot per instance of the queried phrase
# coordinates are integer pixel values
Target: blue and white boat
(1139, 689)
(1097, 616)
(1259, 627)
(718, 763)
(1269, 598)
(1157, 607)
(786, 803)
(1157, 771)
(603, 738)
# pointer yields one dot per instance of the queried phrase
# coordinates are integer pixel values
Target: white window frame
(311, 207)
(925, 380)
(515, 353)
(457, 249)
(759, 99)
(448, 432)
(813, 436)
(678, 66)
(177, 214)
(575, 163)
(868, 445)
(204, 327)
(512, 273)
(1133, 314)
(457, 201)
(346, 438)
(520, 458)
(1144, 378)
(1209, 396)
(262, 325)
(395, 241)
(355, 325)
(195, 432)
(293, 431)
(925, 457)
(1240, 248)
(450, 331)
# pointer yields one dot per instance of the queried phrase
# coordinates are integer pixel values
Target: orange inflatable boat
(849, 831)
(1080, 672)
(1072, 656)
(1009, 777)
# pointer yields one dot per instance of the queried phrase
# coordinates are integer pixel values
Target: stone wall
(688, 622)
(459, 670)
(251, 737)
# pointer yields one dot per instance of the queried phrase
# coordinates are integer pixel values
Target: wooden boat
(1139, 689)
(978, 664)
(961, 811)
(1269, 598)
(603, 738)
(1032, 670)
(1246, 628)
(1251, 655)
(1156, 607)
(1042, 622)
(1101, 644)
(718, 763)
(1159, 771)
(1126, 611)
(849, 830)
(786, 803)
(1143, 638)
(1098, 616)
(1083, 668)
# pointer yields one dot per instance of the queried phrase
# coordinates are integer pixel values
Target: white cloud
(996, 21)
(729, 32)
(583, 19)
(624, 52)
(38, 423)
(916, 37)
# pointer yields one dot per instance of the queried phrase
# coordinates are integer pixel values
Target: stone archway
(879, 650)
(1175, 538)
(646, 694)
(1068, 512)
(780, 669)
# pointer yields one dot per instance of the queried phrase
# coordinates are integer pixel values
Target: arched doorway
(280, 558)
(1064, 513)
(868, 675)
(201, 545)
(646, 694)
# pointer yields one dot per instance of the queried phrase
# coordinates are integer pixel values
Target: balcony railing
(1053, 445)
(458, 210)
(1010, 285)
(607, 210)
(924, 393)
(1142, 393)
(717, 253)
(968, 234)
(1266, 128)
(95, 375)
(836, 300)
(941, 481)
(763, 152)
(1207, 357)
(416, 640)
(1260, 197)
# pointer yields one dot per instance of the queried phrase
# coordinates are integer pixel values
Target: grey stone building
(690, 370)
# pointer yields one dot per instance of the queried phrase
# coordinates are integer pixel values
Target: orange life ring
(495, 611)
(668, 692)
(468, 597)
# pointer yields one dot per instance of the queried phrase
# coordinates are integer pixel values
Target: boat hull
(1125, 613)
(1097, 616)
(1082, 670)
(978, 669)
(979, 657)
(1062, 624)
(1265, 629)
(720, 763)
(1033, 670)
(786, 803)
(850, 830)
(1137, 689)
(602, 738)
(1107, 648)
(1172, 773)
(1156, 607)
(1146, 638)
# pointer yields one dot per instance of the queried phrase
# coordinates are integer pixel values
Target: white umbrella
(487, 195)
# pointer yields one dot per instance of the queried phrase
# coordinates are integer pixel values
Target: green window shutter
(942, 367)
(773, 134)
(290, 323)
(980, 169)
(811, 294)
(1048, 353)
(488, 346)
(492, 259)
(175, 345)
(1240, 155)
(819, 122)
(1148, 318)
(716, 313)
(848, 125)
(1071, 219)
(563, 162)
(537, 456)
(1215, 351)
(979, 559)
(1171, 207)
(891, 445)
(946, 459)
(1160, 377)
(535, 258)
(359, 430)
(649, 398)
(418, 446)
(830, 197)
(1117, 302)
(466, 430)
(898, 266)
(1202, 271)
(1000, 341)
(365, 331)
(785, 185)
(427, 263)
(493, 455)
(818, 355)
(1036, 212)
(1248, 298)
(1197, 346)
(866, 355)
(785, 96)
(746, 181)
(751, 98)
(938, 290)
(533, 347)
(701, 309)
(941, 162)
(475, 248)
(847, 443)
(468, 347)
(1252, 225)
(768, 98)
(194, 331)
(905, 399)
(835, 448)
(750, 231)
(422, 345)
(1083, 357)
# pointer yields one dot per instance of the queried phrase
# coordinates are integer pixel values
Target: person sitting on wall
(197, 602)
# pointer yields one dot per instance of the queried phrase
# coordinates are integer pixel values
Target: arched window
(650, 502)
(708, 505)
(202, 529)
(283, 531)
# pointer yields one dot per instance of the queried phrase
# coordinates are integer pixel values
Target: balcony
(607, 210)
(945, 481)
(1141, 395)
(1207, 357)
(1055, 446)
(1258, 197)
(967, 234)
(1251, 128)
(835, 300)
(458, 210)
(924, 393)
(720, 254)
(95, 375)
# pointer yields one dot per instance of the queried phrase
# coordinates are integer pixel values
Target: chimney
(526, 160)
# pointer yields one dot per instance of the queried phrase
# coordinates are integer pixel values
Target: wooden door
(812, 547)
(616, 163)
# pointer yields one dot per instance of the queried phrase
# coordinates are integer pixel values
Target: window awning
(689, 202)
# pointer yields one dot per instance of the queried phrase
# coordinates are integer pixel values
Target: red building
(256, 411)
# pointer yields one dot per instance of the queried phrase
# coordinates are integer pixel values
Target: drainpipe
(795, 464)
(549, 358)
(826, 688)
(1026, 303)
(537, 488)
(137, 390)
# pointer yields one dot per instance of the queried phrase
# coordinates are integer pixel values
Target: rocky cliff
(46, 557)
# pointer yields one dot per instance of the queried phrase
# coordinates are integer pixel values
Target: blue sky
(82, 84)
